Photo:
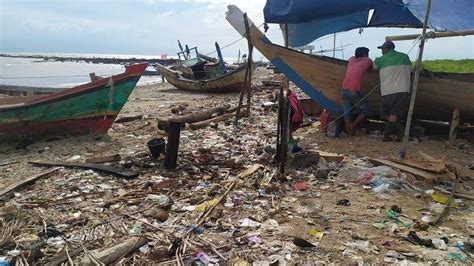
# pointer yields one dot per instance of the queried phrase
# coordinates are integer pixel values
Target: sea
(37, 72)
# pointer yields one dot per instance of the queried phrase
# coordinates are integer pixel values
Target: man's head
(362, 52)
(386, 47)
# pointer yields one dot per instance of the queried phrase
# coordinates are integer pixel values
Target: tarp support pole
(430, 35)
(415, 81)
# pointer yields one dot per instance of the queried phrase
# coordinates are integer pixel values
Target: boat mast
(415, 81)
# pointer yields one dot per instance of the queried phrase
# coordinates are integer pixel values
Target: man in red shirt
(351, 89)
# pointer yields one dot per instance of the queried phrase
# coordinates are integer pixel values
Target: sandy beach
(87, 210)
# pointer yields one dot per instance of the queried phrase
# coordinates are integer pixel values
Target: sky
(152, 27)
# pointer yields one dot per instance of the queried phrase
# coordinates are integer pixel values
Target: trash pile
(225, 203)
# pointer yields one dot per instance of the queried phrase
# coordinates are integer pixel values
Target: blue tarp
(310, 19)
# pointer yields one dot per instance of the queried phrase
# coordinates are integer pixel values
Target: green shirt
(395, 68)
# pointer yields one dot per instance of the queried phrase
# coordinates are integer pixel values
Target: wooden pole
(430, 35)
(282, 138)
(249, 65)
(453, 131)
(172, 146)
(416, 78)
(248, 69)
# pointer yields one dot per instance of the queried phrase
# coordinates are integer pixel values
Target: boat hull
(87, 109)
(230, 82)
(321, 78)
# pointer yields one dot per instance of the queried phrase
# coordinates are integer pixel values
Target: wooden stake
(283, 119)
(172, 146)
(453, 131)
(248, 74)
(416, 76)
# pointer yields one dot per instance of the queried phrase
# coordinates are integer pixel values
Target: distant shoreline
(94, 60)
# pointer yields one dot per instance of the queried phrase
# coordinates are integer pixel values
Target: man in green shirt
(395, 69)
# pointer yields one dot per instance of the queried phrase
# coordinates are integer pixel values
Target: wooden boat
(321, 78)
(229, 82)
(88, 108)
(203, 73)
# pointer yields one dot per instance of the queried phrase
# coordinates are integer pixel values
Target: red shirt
(355, 73)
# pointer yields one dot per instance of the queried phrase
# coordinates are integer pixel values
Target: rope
(232, 43)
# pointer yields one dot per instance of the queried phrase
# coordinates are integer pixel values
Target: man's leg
(398, 109)
(347, 107)
(385, 104)
(364, 107)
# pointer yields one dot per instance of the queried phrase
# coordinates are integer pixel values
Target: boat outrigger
(321, 77)
(88, 108)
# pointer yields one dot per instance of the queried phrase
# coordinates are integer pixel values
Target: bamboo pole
(415, 79)
(430, 35)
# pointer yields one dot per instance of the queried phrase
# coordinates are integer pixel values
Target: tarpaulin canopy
(310, 19)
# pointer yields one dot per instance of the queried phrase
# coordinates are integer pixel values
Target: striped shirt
(395, 68)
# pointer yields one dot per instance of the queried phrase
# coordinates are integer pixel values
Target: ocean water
(34, 72)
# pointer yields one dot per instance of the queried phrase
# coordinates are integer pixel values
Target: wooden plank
(436, 167)
(3, 163)
(430, 158)
(329, 156)
(126, 119)
(104, 159)
(26, 182)
(102, 168)
(453, 130)
(416, 172)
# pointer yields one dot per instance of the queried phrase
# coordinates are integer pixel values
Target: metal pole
(334, 46)
(415, 80)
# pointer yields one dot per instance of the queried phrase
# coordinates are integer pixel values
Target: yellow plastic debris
(206, 205)
(236, 261)
(441, 198)
(315, 233)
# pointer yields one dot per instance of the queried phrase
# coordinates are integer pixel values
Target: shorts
(393, 104)
(354, 100)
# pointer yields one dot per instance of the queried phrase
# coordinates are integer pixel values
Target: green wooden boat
(90, 108)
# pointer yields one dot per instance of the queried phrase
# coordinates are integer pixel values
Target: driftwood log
(206, 123)
(114, 253)
(192, 118)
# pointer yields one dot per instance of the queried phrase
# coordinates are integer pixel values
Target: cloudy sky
(152, 27)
